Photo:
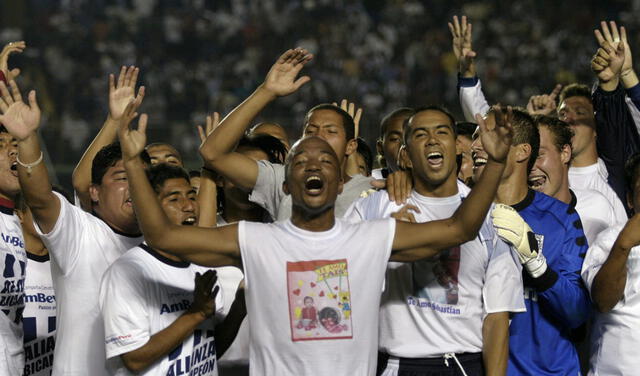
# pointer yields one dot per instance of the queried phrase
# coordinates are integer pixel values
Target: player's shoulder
(551, 208)
(607, 237)
(591, 197)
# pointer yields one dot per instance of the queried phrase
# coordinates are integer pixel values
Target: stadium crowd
(496, 240)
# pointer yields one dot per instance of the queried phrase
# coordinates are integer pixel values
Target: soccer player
(550, 175)
(340, 265)
(555, 297)
(154, 322)
(453, 310)
(388, 145)
(263, 179)
(82, 245)
(611, 274)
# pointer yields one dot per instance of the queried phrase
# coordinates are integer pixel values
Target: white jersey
(437, 306)
(595, 211)
(313, 297)
(82, 247)
(614, 335)
(595, 177)
(13, 262)
(39, 317)
(268, 192)
(144, 292)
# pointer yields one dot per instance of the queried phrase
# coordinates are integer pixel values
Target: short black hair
(160, 173)
(431, 107)
(525, 131)
(632, 172)
(466, 128)
(402, 112)
(575, 90)
(347, 121)
(276, 151)
(365, 151)
(106, 158)
(562, 132)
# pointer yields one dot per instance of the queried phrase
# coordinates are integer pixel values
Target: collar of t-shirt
(426, 201)
(6, 206)
(38, 258)
(520, 206)
(313, 235)
(164, 259)
(586, 170)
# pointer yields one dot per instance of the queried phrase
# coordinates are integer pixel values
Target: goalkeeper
(551, 245)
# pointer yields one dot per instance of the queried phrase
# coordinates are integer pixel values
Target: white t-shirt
(615, 335)
(595, 211)
(313, 297)
(268, 191)
(437, 306)
(13, 262)
(82, 247)
(39, 320)
(595, 177)
(143, 293)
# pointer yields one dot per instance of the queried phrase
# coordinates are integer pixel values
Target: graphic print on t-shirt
(319, 300)
(436, 279)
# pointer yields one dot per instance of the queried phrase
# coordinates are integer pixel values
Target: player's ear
(94, 193)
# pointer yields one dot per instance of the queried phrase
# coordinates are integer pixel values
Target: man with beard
(474, 286)
(154, 321)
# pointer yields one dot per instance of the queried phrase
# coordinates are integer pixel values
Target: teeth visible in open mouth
(313, 182)
(434, 155)
(14, 166)
(479, 161)
(189, 221)
(537, 181)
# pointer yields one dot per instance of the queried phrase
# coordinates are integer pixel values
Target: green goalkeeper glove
(514, 230)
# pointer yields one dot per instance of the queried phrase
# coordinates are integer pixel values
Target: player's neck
(168, 255)
(343, 170)
(444, 189)
(315, 222)
(513, 188)
(588, 156)
(563, 193)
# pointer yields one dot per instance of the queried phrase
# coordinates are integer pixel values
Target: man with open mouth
(338, 264)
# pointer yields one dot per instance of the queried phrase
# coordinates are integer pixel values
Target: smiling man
(82, 245)
(456, 304)
(340, 265)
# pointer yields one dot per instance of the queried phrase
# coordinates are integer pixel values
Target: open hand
(212, 123)
(10, 48)
(123, 91)
(20, 119)
(281, 79)
(496, 132)
(355, 113)
(461, 33)
(204, 294)
(132, 141)
(614, 36)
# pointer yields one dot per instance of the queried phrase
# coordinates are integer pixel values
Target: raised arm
(544, 104)
(208, 192)
(23, 121)
(203, 246)
(218, 150)
(121, 92)
(415, 241)
(7, 50)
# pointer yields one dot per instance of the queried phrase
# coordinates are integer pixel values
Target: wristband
(30, 166)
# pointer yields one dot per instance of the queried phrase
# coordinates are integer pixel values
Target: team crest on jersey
(319, 300)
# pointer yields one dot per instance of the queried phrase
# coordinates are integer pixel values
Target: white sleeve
(65, 240)
(472, 101)
(126, 319)
(635, 113)
(597, 254)
(502, 290)
(268, 190)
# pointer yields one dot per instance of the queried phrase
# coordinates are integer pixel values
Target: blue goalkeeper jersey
(557, 302)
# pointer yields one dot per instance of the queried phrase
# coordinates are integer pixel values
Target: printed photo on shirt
(436, 280)
(319, 300)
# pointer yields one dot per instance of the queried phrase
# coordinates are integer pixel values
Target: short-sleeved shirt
(436, 306)
(614, 335)
(39, 317)
(596, 212)
(142, 293)
(82, 247)
(13, 258)
(334, 276)
(269, 194)
(595, 177)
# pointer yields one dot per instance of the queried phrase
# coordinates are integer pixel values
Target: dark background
(207, 55)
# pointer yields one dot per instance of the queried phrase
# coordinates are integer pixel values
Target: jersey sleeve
(126, 319)
(614, 121)
(64, 241)
(472, 98)
(268, 190)
(502, 290)
(633, 103)
(598, 253)
(560, 288)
